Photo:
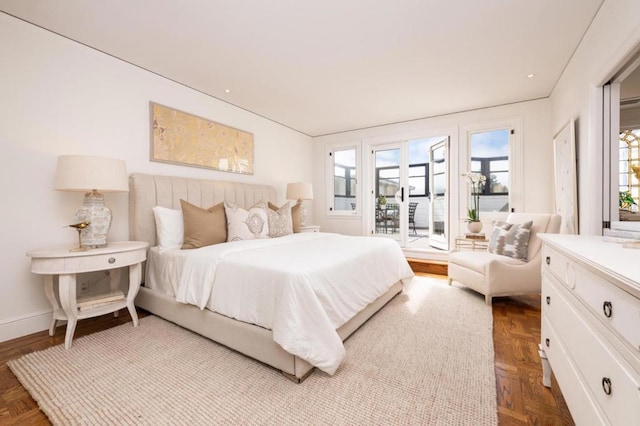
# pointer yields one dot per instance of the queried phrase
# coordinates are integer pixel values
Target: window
(342, 163)
(489, 152)
(629, 166)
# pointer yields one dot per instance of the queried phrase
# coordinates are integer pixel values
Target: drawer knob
(546, 342)
(606, 385)
(548, 300)
(112, 260)
(548, 260)
(607, 308)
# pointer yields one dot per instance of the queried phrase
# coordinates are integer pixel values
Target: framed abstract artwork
(181, 138)
(565, 179)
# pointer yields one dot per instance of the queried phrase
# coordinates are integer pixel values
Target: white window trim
(329, 182)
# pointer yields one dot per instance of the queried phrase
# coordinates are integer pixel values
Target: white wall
(59, 97)
(610, 39)
(538, 155)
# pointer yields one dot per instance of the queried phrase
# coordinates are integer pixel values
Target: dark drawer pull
(546, 342)
(112, 260)
(607, 308)
(548, 300)
(548, 260)
(606, 385)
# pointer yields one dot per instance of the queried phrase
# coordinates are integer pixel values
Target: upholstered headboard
(148, 191)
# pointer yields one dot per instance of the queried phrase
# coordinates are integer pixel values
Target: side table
(67, 264)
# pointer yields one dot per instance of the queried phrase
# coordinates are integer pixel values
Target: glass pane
(499, 166)
(389, 173)
(489, 152)
(417, 171)
(417, 186)
(344, 181)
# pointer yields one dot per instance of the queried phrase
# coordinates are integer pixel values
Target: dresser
(590, 335)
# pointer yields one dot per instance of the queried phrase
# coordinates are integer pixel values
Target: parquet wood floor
(521, 397)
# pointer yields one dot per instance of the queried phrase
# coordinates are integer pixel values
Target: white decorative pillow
(280, 221)
(246, 225)
(510, 239)
(169, 227)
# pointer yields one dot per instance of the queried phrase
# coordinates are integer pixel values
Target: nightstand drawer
(310, 228)
(104, 261)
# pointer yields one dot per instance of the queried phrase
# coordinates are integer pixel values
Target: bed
(209, 306)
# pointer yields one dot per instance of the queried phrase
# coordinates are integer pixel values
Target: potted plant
(382, 200)
(625, 200)
(477, 182)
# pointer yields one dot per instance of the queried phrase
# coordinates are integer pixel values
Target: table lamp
(88, 174)
(300, 192)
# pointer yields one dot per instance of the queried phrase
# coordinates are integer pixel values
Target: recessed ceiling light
(227, 90)
(531, 75)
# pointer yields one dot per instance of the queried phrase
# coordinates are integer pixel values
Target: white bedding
(302, 286)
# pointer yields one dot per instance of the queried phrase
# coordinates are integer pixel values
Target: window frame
(330, 166)
(516, 166)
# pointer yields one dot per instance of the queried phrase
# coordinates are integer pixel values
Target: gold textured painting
(181, 138)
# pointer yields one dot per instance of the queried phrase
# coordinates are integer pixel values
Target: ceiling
(322, 67)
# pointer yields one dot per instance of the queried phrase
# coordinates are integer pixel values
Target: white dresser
(590, 334)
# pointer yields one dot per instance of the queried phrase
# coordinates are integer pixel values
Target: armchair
(497, 275)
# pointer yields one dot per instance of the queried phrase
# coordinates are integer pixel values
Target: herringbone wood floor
(521, 397)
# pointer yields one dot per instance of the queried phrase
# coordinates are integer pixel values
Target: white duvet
(302, 287)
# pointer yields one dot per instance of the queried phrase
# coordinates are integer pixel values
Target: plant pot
(474, 227)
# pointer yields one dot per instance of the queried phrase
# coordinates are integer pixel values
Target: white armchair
(497, 275)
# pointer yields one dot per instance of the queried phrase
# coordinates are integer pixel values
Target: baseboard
(12, 328)
(429, 266)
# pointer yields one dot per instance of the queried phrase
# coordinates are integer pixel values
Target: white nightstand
(310, 228)
(66, 264)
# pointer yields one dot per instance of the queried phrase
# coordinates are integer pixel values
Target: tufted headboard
(147, 191)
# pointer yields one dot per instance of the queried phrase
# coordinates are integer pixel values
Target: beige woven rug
(426, 358)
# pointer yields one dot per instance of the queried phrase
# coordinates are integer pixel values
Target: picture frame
(181, 138)
(565, 179)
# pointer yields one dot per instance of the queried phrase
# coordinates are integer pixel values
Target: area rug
(425, 358)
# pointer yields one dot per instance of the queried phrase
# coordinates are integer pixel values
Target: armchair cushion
(510, 240)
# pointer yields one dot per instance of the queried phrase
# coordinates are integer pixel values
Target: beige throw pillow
(280, 221)
(246, 224)
(203, 227)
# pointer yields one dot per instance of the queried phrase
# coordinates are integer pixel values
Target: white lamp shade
(85, 173)
(299, 191)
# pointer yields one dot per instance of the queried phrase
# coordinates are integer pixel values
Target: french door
(438, 189)
(409, 197)
(390, 192)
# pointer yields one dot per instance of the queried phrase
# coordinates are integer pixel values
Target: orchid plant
(477, 182)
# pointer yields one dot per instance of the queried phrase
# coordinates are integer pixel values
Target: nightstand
(310, 228)
(67, 264)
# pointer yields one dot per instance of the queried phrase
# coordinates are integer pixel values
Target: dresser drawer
(559, 265)
(613, 306)
(581, 402)
(610, 380)
(104, 261)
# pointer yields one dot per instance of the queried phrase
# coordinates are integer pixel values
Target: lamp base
(98, 215)
(303, 214)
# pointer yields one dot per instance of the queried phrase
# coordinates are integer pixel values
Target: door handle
(402, 194)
